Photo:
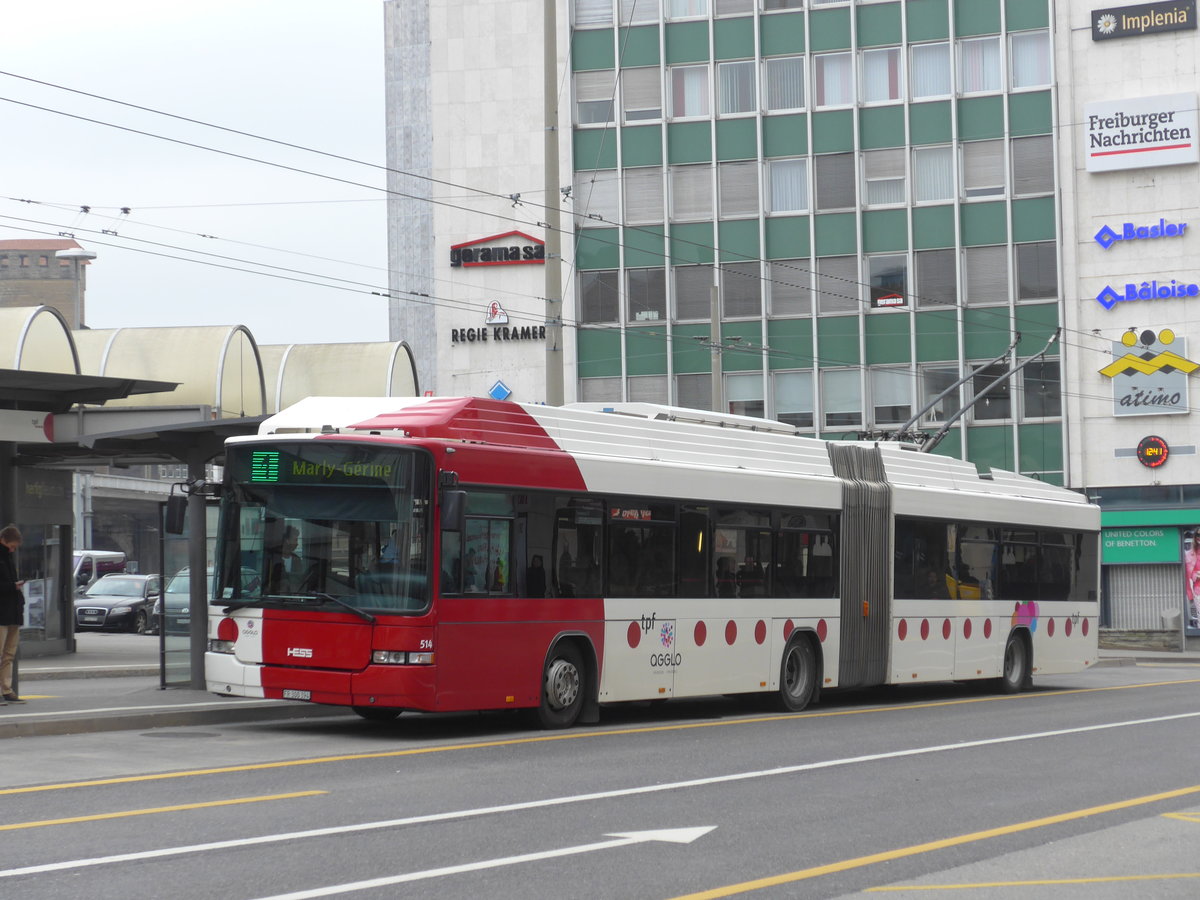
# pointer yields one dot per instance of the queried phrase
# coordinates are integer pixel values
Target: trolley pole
(714, 342)
(554, 304)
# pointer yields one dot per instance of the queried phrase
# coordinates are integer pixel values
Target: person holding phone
(12, 609)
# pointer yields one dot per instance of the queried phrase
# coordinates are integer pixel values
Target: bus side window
(451, 574)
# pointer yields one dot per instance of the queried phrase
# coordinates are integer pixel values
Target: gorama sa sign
(508, 249)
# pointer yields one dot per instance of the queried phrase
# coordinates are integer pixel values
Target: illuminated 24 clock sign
(1152, 451)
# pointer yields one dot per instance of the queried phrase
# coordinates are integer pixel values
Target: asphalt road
(1088, 786)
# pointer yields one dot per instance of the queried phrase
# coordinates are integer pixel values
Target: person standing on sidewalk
(12, 609)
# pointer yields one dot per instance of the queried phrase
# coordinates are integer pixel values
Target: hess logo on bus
(301, 652)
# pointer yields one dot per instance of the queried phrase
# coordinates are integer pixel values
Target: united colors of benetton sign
(1140, 132)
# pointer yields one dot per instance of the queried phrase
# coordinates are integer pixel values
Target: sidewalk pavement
(112, 683)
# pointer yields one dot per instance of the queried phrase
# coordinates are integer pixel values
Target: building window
(741, 290)
(693, 292)
(44, 261)
(887, 278)
(935, 380)
(788, 185)
(841, 398)
(979, 65)
(641, 94)
(1037, 271)
(686, 9)
(794, 398)
(1042, 391)
(782, 4)
(600, 390)
(1029, 60)
(835, 181)
(597, 196)
(837, 284)
(933, 174)
(790, 292)
(594, 92)
(689, 91)
(644, 196)
(648, 389)
(24, 261)
(744, 395)
(735, 87)
(694, 391)
(634, 12)
(983, 169)
(930, 70)
(647, 294)
(1033, 165)
(986, 271)
(997, 402)
(734, 7)
(783, 83)
(833, 79)
(883, 177)
(592, 12)
(691, 193)
(882, 75)
(937, 282)
(891, 396)
(599, 297)
(738, 182)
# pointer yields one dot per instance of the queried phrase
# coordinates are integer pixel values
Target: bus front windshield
(326, 524)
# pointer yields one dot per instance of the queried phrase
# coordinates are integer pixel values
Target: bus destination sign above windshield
(276, 467)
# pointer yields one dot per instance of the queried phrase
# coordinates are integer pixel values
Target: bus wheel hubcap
(562, 684)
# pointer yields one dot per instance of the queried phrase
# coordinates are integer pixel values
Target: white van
(93, 564)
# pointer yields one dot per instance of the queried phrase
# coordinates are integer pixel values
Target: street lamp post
(77, 255)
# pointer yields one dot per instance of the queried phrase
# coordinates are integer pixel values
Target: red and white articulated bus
(438, 554)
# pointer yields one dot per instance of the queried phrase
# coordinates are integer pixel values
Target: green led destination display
(321, 463)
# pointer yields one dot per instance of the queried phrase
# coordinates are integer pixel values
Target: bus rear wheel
(797, 675)
(377, 713)
(563, 687)
(1016, 672)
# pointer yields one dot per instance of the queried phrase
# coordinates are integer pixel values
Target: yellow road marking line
(1186, 817)
(1045, 881)
(573, 736)
(859, 862)
(98, 817)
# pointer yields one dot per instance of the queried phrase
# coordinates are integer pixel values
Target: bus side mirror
(176, 514)
(454, 510)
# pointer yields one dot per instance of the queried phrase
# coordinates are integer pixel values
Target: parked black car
(119, 603)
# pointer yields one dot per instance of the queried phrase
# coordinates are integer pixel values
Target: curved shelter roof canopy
(215, 366)
(377, 369)
(36, 338)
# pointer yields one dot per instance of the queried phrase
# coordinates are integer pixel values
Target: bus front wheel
(1016, 672)
(563, 683)
(797, 675)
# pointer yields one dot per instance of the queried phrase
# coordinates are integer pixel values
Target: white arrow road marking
(524, 806)
(671, 835)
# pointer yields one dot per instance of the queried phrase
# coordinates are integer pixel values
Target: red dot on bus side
(967, 629)
(902, 629)
(788, 627)
(730, 632)
(987, 628)
(701, 634)
(924, 629)
(760, 631)
(1050, 627)
(822, 631)
(947, 630)
(1085, 627)
(1067, 626)
(634, 635)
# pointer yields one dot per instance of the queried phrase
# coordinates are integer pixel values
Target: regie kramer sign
(1145, 18)
(1140, 132)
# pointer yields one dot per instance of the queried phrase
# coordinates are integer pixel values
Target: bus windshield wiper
(361, 613)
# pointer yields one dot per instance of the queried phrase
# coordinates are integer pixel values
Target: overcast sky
(307, 72)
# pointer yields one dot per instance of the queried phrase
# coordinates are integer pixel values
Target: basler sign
(1140, 132)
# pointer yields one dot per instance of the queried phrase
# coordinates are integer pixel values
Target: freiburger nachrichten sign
(1145, 18)
(1140, 132)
